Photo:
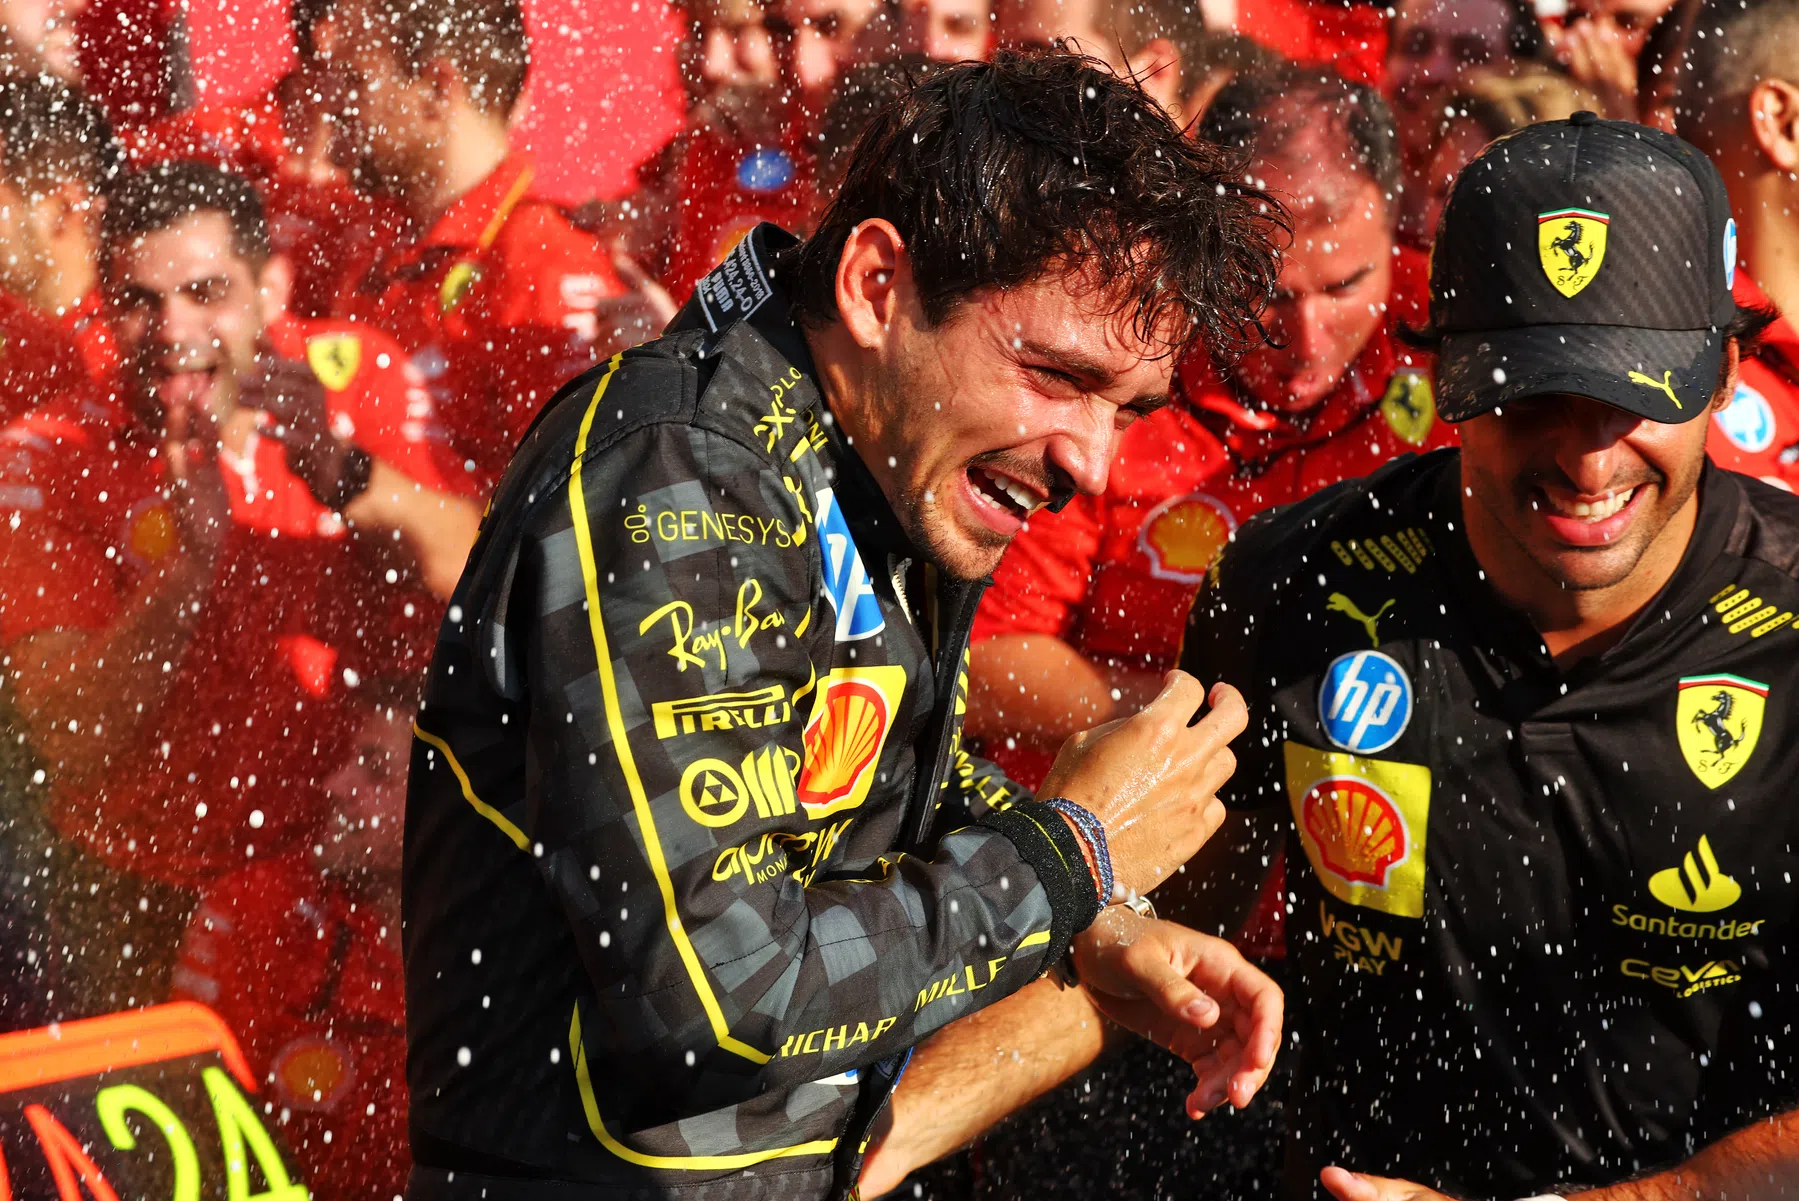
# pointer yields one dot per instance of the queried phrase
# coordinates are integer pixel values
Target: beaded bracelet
(1094, 831)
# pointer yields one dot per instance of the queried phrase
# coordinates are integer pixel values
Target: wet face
(1333, 286)
(368, 798)
(1015, 398)
(1040, 22)
(1585, 491)
(40, 35)
(1456, 149)
(823, 32)
(188, 309)
(1437, 46)
(388, 127)
(24, 256)
(949, 31)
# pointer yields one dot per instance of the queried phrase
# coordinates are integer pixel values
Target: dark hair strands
(1041, 163)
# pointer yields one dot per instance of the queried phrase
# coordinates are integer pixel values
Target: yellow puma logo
(1664, 384)
(1338, 603)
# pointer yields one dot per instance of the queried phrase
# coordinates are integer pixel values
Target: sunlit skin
(40, 35)
(1334, 279)
(188, 310)
(1459, 145)
(948, 30)
(1040, 22)
(368, 798)
(1526, 468)
(732, 49)
(1033, 384)
(1436, 46)
(47, 244)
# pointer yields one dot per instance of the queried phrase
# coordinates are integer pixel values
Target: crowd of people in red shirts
(263, 358)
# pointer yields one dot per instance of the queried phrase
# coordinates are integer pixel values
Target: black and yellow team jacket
(678, 892)
(1540, 923)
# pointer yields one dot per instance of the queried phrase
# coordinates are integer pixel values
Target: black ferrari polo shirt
(1538, 921)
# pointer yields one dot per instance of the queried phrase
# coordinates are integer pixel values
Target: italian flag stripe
(1589, 214)
(1721, 680)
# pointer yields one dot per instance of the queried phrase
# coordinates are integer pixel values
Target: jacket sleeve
(680, 634)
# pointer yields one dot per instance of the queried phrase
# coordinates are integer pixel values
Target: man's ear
(1774, 122)
(873, 273)
(275, 287)
(1733, 361)
(1157, 70)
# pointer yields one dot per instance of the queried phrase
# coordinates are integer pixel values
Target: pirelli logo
(1402, 550)
(1742, 612)
(756, 710)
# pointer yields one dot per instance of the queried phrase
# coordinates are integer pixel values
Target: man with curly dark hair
(694, 855)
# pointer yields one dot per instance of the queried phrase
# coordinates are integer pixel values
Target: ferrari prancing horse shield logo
(1718, 719)
(1571, 245)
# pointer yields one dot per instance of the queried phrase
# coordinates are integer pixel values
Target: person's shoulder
(1766, 528)
(1400, 493)
(342, 353)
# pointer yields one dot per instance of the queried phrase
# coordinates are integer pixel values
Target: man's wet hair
(485, 40)
(860, 94)
(1261, 111)
(166, 194)
(51, 134)
(999, 174)
(1735, 45)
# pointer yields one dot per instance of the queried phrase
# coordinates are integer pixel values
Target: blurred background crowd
(282, 286)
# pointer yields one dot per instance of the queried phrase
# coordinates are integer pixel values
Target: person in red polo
(289, 142)
(196, 576)
(1089, 604)
(1737, 93)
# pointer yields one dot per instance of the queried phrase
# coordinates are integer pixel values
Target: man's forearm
(977, 1070)
(84, 695)
(1039, 687)
(437, 528)
(1757, 1162)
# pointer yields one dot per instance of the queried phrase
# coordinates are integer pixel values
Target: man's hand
(1357, 1186)
(194, 483)
(1151, 778)
(1189, 993)
(333, 470)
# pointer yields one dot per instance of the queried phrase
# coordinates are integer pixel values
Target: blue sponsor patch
(847, 583)
(841, 1079)
(1730, 253)
(1748, 420)
(765, 170)
(1364, 702)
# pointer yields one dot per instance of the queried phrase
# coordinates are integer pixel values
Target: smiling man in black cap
(1540, 839)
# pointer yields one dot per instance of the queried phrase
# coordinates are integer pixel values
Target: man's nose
(1310, 330)
(1083, 457)
(1590, 442)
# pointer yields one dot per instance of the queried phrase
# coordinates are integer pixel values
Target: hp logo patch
(846, 580)
(1364, 702)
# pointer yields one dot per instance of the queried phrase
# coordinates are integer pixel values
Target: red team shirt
(85, 324)
(38, 360)
(1757, 433)
(307, 973)
(314, 223)
(263, 705)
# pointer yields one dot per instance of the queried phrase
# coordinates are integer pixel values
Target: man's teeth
(1598, 510)
(1019, 494)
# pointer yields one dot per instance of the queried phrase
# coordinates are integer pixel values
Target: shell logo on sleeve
(845, 734)
(1182, 537)
(1363, 824)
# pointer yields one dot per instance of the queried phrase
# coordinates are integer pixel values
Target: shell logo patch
(1571, 246)
(1363, 824)
(844, 736)
(1718, 720)
(1409, 407)
(312, 1073)
(334, 358)
(1182, 537)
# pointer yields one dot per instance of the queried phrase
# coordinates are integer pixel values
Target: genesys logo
(1364, 824)
(1682, 980)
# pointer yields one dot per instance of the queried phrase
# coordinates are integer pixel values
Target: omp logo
(1682, 980)
(1362, 948)
(722, 711)
(1696, 886)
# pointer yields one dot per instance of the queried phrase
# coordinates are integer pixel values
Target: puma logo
(1338, 603)
(1664, 384)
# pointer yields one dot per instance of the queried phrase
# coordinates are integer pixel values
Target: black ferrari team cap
(1589, 257)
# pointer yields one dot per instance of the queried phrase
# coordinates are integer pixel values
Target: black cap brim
(1665, 375)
